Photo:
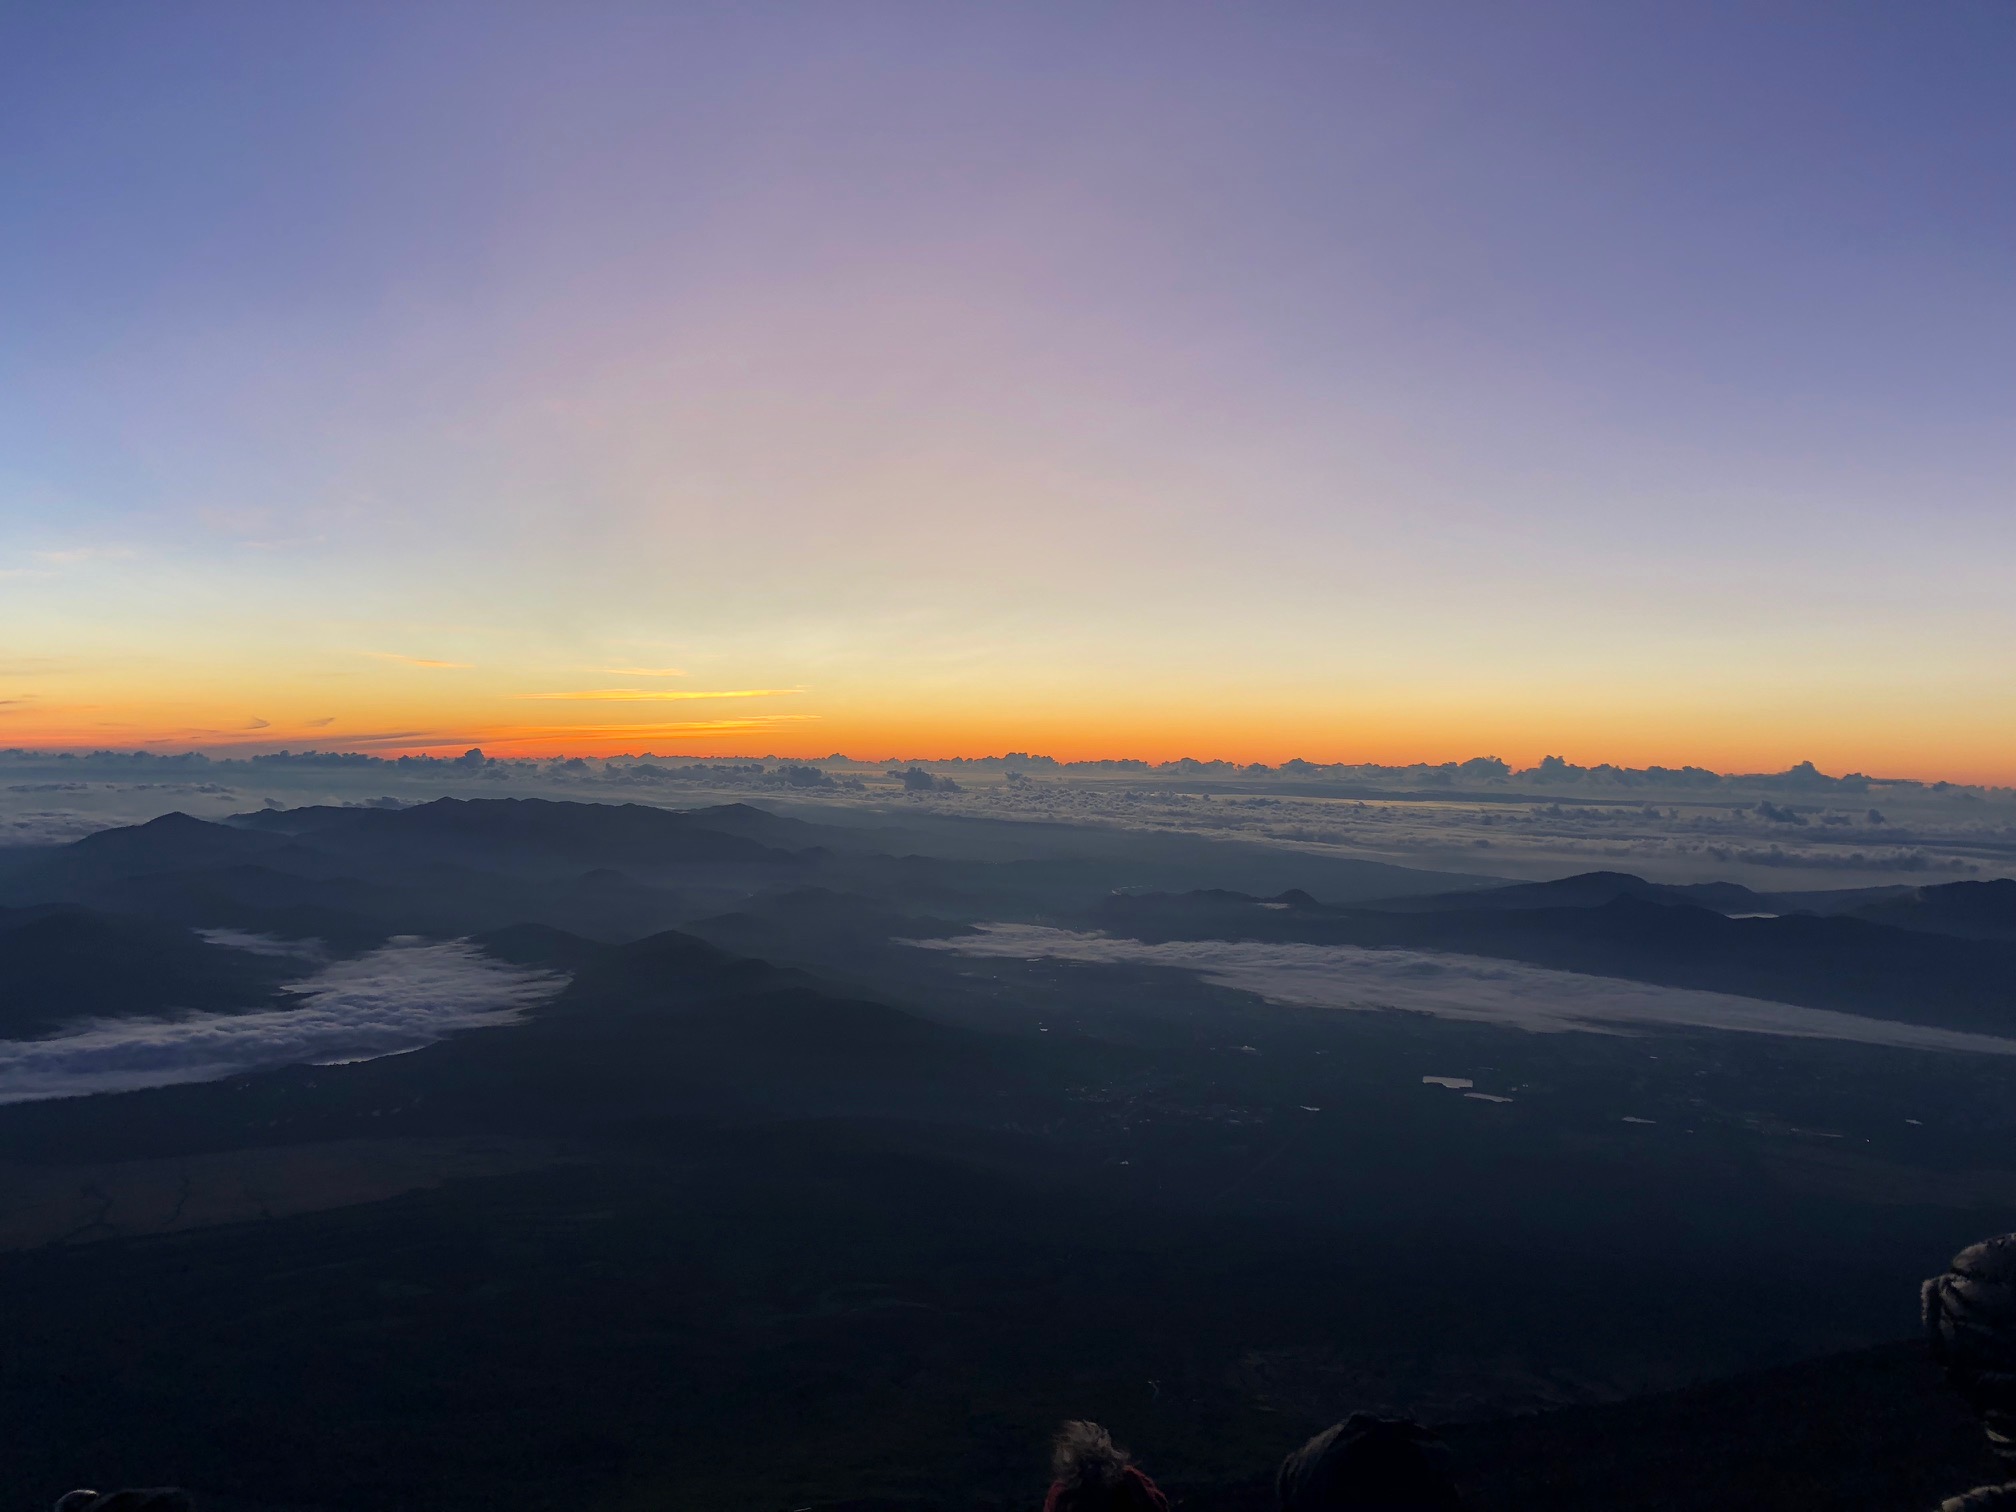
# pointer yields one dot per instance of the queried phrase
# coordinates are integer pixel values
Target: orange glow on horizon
(521, 707)
(807, 737)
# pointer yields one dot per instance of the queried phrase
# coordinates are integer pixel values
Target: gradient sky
(1379, 381)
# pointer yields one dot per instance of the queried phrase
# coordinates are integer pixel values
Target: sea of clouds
(1782, 832)
(399, 997)
(1768, 845)
(1471, 988)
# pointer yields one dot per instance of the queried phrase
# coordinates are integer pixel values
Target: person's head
(1091, 1473)
(1970, 1322)
(1368, 1464)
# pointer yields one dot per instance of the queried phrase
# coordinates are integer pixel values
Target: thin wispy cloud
(414, 738)
(50, 826)
(282, 543)
(659, 695)
(72, 555)
(645, 671)
(267, 945)
(253, 529)
(49, 563)
(691, 729)
(211, 739)
(420, 661)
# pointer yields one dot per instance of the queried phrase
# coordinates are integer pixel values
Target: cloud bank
(401, 996)
(1469, 988)
(1521, 826)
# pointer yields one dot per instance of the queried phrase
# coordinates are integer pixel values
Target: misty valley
(542, 1151)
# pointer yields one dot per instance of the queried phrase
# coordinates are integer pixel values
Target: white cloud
(265, 945)
(47, 826)
(401, 996)
(1470, 988)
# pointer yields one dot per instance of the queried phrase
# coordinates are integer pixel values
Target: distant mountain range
(111, 913)
(1973, 910)
(1594, 889)
(60, 964)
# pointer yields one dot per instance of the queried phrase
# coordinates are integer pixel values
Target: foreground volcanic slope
(768, 1198)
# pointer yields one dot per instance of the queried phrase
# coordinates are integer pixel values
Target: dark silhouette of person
(140, 1499)
(1368, 1464)
(1970, 1323)
(1090, 1473)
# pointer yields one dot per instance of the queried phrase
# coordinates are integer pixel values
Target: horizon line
(1477, 768)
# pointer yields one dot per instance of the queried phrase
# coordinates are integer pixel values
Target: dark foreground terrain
(770, 1324)
(764, 1198)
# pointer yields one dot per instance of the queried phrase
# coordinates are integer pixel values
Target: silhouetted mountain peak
(1592, 889)
(539, 945)
(548, 829)
(1592, 884)
(172, 841)
(668, 969)
(177, 828)
(721, 815)
(175, 822)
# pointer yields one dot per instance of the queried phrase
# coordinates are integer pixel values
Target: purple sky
(1368, 381)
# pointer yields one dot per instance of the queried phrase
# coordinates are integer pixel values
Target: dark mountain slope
(1971, 910)
(505, 829)
(1597, 888)
(607, 871)
(419, 898)
(443, 868)
(666, 1027)
(817, 922)
(262, 899)
(1585, 890)
(671, 1024)
(174, 842)
(539, 945)
(766, 828)
(62, 964)
(1876, 1430)
(751, 1319)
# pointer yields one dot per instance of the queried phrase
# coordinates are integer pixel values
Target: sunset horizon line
(1485, 768)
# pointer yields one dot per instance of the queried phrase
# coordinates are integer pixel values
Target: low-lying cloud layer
(1471, 988)
(1796, 829)
(399, 997)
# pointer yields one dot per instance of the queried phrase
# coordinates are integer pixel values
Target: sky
(1357, 381)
